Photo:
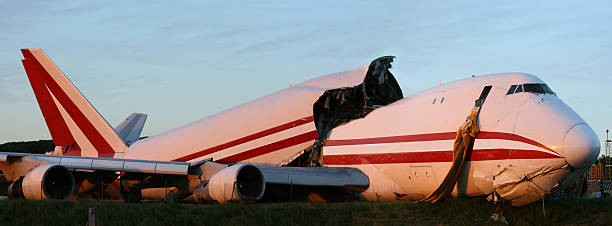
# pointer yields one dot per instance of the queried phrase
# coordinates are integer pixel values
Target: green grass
(462, 212)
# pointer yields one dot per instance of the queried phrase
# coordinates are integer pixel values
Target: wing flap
(316, 176)
(106, 164)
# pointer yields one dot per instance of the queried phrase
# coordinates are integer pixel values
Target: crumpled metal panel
(521, 182)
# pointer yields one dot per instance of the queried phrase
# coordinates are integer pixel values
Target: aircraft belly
(382, 188)
(418, 180)
(409, 181)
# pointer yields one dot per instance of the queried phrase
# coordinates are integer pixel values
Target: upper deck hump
(497, 79)
(439, 109)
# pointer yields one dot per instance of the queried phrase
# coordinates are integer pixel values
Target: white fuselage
(520, 153)
(405, 147)
(273, 129)
(530, 141)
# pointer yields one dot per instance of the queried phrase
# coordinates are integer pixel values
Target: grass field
(452, 212)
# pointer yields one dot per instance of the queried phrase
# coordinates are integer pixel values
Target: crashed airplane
(345, 136)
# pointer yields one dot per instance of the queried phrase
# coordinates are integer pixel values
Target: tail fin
(75, 125)
(130, 129)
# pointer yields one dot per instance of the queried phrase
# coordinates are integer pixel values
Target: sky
(180, 61)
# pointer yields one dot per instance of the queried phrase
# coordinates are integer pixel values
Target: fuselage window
(511, 90)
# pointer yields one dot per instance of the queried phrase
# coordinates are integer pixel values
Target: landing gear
(130, 191)
(131, 195)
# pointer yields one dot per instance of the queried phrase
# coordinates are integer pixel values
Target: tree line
(37, 147)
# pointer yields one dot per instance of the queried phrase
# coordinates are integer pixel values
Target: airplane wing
(54, 177)
(277, 129)
(300, 183)
(93, 163)
(130, 129)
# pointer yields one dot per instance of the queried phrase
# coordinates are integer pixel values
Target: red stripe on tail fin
(55, 123)
(69, 116)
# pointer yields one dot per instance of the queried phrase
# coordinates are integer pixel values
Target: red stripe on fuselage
(434, 137)
(433, 156)
(245, 139)
(436, 156)
(394, 139)
(510, 136)
(272, 147)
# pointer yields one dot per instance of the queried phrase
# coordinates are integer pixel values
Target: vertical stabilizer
(73, 122)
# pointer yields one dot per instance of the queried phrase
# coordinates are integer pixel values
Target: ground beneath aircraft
(464, 211)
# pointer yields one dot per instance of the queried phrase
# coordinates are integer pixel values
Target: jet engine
(234, 183)
(44, 182)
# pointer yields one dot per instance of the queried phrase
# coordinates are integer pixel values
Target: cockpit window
(548, 89)
(511, 90)
(536, 88)
(519, 89)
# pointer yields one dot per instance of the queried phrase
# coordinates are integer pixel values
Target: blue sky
(181, 61)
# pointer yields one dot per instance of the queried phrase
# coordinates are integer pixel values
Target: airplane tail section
(130, 129)
(75, 125)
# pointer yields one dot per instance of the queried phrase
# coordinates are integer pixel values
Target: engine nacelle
(44, 182)
(234, 183)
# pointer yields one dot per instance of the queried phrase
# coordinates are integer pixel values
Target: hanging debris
(462, 148)
(338, 106)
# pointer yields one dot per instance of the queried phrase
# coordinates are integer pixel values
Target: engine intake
(234, 183)
(44, 182)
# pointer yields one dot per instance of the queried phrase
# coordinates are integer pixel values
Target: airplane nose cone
(581, 146)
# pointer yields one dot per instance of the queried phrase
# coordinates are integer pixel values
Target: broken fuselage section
(530, 143)
(286, 128)
(339, 106)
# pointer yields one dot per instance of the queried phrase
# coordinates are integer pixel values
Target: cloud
(270, 45)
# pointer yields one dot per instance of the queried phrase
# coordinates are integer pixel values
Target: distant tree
(37, 147)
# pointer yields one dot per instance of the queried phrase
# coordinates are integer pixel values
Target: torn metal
(342, 105)
(463, 146)
(521, 184)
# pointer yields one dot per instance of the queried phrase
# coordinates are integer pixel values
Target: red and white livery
(342, 136)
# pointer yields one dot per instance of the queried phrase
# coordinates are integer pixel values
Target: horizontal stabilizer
(130, 129)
